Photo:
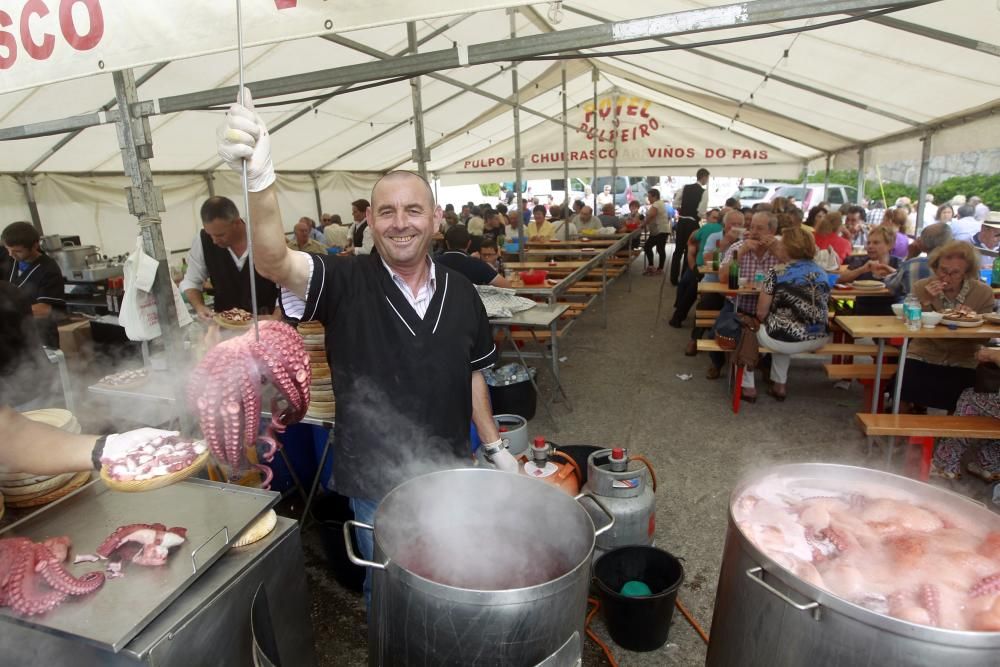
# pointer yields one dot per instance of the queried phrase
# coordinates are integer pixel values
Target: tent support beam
(826, 178)
(925, 163)
(29, 195)
(420, 152)
(706, 53)
(474, 88)
(668, 90)
(595, 76)
(861, 176)
(933, 33)
(209, 182)
(518, 164)
(692, 21)
(110, 104)
(615, 94)
(145, 201)
(565, 155)
(319, 199)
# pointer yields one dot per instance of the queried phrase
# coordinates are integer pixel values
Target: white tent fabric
(879, 83)
(634, 136)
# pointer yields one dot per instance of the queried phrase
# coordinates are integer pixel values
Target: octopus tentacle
(24, 596)
(986, 586)
(225, 390)
(58, 578)
(930, 599)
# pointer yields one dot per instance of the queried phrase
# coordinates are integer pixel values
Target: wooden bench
(921, 430)
(830, 349)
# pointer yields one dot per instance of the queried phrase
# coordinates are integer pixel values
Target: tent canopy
(784, 99)
(810, 93)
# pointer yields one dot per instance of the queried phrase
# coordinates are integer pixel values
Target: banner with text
(638, 135)
(42, 41)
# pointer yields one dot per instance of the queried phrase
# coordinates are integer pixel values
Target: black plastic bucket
(638, 623)
(330, 511)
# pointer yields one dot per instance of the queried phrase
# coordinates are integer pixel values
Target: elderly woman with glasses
(938, 370)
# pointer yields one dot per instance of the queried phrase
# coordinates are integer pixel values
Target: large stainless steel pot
(766, 616)
(468, 532)
(76, 257)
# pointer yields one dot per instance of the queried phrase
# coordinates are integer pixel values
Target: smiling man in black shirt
(406, 338)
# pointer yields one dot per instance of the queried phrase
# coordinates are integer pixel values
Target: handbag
(987, 378)
(728, 330)
(747, 350)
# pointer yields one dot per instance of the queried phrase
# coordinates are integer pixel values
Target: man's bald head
(396, 177)
(733, 218)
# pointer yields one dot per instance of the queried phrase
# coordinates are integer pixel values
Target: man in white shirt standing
(605, 197)
(965, 225)
(360, 236)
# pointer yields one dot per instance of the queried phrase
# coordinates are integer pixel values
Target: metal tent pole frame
(28, 184)
(512, 13)
(565, 156)
(145, 201)
(616, 129)
(826, 177)
(925, 163)
(861, 175)
(694, 21)
(595, 76)
(319, 199)
(420, 152)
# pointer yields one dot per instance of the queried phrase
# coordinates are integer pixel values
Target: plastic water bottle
(912, 312)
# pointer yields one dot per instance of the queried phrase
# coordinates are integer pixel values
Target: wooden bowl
(136, 486)
(75, 482)
(226, 324)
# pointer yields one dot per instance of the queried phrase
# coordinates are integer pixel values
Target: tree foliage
(489, 189)
(986, 186)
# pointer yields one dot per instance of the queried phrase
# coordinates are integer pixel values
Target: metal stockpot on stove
(478, 567)
(767, 616)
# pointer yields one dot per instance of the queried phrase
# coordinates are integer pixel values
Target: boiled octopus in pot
(225, 391)
(894, 555)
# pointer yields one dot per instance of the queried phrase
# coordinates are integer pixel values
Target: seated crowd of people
(796, 260)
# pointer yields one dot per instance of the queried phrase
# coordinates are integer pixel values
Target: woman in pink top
(828, 235)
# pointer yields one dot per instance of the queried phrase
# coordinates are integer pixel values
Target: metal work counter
(208, 624)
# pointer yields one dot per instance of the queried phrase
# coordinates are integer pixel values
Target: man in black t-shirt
(38, 277)
(406, 338)
(478, 272)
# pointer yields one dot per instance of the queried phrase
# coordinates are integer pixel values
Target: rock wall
(942, 167)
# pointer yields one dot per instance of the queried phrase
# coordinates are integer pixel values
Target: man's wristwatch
(491, 449)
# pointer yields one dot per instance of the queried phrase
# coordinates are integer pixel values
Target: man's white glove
(505, 461)
(243, 136)
(118, 445)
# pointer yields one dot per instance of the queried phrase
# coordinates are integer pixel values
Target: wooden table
(539, 264)
(836, 293)
(598, 242)
(882, 327)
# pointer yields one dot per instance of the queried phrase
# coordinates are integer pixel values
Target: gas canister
(625, 485)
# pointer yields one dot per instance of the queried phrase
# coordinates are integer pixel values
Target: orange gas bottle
(554, 467)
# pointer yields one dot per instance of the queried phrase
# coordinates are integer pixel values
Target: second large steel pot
(765, 616)
(479, 567)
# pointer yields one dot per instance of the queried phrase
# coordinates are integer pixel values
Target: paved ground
(625, 391)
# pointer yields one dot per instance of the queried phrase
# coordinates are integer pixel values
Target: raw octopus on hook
(225, 389)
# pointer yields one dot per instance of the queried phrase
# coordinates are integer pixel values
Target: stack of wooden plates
(321, 401)
(21, 489)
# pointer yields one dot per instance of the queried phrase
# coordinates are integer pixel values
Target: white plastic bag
(138, 309)
(827, 259)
